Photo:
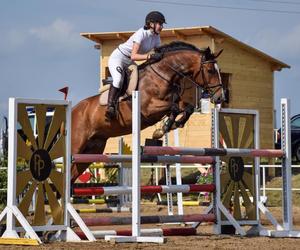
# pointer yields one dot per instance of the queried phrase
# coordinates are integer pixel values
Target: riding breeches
(118, 61)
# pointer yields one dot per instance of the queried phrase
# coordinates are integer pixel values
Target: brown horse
(161, 87)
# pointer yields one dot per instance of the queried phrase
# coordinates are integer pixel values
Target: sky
(41, 49)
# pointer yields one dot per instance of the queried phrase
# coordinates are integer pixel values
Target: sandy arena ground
(204, 239)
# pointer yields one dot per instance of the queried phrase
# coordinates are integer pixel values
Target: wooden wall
(251, 86)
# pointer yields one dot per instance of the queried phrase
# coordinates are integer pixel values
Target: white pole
(178, 175)
(257, 164)
(121, 173)
(136, 188)
(136, 160)
(156, 182)
(264, 181)
(67, 164)
(168, 179)
(216, 171)
(12, 166)
(286, 165)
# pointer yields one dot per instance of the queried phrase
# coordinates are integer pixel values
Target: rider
(136, 48)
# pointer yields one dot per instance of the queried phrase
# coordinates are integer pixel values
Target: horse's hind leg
(94, 146)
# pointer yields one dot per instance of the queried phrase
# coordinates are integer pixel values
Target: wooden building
(247, 73)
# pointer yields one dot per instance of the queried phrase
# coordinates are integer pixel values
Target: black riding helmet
(154, 17)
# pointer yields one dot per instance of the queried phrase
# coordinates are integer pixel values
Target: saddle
(130, 83)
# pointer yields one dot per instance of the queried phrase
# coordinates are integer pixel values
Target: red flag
(65, 91)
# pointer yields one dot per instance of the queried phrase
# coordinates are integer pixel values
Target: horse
(161, 85)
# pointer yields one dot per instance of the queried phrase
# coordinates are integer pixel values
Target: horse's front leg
(188, 110)
(169, 123)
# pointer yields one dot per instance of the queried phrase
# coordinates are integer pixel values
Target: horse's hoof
(179, 125)
(157, 134)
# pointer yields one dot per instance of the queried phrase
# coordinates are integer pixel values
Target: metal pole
(216, 171)
(257, 164)
(12, 163)
(264, 182)
(286, 165)
(136, 161)
(168, 179)
(121, 173)
(178, 175)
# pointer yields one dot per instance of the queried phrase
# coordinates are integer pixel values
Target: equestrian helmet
(155, 17)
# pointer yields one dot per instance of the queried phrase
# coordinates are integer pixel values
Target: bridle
(211, 90)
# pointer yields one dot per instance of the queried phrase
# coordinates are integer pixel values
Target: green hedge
(3, 181)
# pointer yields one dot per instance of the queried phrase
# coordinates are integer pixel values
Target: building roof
(181, 33)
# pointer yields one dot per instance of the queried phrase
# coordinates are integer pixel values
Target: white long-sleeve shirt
(147, 39)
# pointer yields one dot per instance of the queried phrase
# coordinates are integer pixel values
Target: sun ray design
(237, 213)
(58, 148)
(226, 132)
(225, 181)
(39, 178)
(226, 199)
(57, 120)
(41, 111)
(23, 179)
(241, 127)
(23, 120)
(58, 180)
(56, 209)
(250, 208)
(237, 182)
(25, 203)
(248, 182)
(40, 216)
(23, 150)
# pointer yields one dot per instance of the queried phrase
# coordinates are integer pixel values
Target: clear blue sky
(41, 49)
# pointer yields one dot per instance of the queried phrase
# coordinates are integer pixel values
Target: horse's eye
(211, 71)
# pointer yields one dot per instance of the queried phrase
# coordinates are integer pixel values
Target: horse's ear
(208, 51)
(219, 53)
(207, 54)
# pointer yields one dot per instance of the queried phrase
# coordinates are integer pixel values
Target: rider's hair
(147, 26)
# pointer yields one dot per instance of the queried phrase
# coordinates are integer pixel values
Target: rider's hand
(155, 56)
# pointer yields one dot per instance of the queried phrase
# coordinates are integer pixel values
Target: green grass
(275, 197)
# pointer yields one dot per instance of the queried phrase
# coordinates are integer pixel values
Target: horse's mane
(177, 45)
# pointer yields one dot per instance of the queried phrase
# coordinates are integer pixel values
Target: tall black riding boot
(111, 102)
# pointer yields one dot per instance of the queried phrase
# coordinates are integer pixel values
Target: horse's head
(208, 76)
(187, 62)
(202, 70)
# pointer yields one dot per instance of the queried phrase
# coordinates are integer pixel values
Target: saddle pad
(131, 86)
(104, 88)
(134, 76)
(103, 97)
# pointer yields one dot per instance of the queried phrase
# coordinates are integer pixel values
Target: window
(296, 122)
(108, 78)
(226, 81)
